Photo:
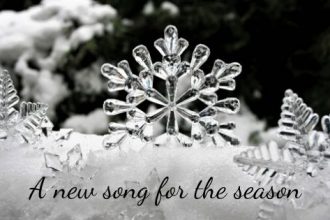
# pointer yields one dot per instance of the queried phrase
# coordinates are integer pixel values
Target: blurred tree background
(280, 44)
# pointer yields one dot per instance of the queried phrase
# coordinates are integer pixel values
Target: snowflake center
(172, 106)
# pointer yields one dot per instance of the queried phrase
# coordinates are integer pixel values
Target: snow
(94, 122)
(47, 88)
(23, 165)
(43, 34)
(170, 7)
(247, 124)
(148, 8)
(88, 81)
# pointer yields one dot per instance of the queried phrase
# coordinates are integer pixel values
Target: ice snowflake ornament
(297, 125)
(305, 149)
(305, 153)
(172, 70)
(29, 123)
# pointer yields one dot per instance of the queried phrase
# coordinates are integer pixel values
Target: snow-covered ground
(22, 166)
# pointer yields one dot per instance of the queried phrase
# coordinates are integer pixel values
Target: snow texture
(94, 122)
(25, 166)
(43, 35)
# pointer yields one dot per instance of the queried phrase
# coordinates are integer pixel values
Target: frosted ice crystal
(173, 106)
(30, 122)
(60, 158)
(148, 210)
(64, 160)
(52, 161)
(306, 152)
(271, 209)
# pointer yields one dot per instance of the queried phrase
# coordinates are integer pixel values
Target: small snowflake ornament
(297, 125)
(173, 71)
(306, 150)
(305, 153)
(30, 122)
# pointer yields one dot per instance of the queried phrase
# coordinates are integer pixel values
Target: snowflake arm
(268, 164)
(326, 124)
(32, 117)
(8, 99)
(297, 119)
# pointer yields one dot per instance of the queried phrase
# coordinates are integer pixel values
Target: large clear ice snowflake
(173, 71)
